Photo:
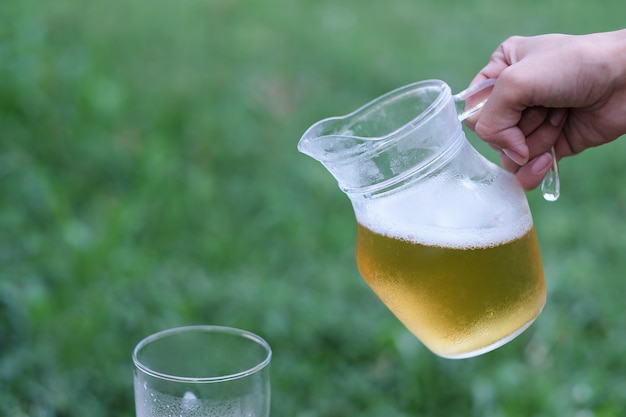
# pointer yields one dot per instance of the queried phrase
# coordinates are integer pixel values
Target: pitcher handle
(471, 100)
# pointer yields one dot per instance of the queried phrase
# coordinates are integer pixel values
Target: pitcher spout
(332, 140)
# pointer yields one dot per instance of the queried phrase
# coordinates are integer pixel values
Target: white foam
(455, 214)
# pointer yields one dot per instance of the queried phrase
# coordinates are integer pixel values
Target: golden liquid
(458, 302)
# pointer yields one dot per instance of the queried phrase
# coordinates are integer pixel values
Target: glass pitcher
(445, 237)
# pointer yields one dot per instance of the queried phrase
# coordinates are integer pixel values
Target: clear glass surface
(202, 371)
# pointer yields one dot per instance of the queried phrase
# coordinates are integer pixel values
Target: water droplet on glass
(551, 185)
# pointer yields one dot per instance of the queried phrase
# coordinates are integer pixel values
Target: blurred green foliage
(149, 179)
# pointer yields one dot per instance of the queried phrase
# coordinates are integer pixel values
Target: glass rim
(204, 328)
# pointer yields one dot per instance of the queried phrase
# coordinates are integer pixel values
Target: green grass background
(149, 178)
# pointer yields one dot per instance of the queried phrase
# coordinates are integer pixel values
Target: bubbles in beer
(460, 301)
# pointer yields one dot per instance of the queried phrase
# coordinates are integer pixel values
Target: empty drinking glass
(202, 371)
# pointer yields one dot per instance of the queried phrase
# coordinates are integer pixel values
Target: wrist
(611, 55)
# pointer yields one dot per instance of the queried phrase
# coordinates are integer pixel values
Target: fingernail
(557, 116)
(541, 163)
(514, 156)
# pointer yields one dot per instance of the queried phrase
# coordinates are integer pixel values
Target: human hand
(552, 90)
